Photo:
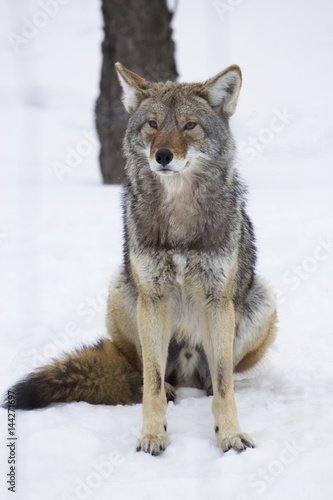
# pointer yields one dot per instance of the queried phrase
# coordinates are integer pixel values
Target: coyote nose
(163, 157)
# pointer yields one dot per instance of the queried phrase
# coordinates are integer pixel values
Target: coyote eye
(152, 123)
(190, 126)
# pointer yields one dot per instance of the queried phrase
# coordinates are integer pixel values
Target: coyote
(186, 307)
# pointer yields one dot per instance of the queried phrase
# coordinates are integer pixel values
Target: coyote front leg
(154, 331)
(218, 326)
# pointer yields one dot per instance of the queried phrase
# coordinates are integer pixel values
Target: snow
(61, 237)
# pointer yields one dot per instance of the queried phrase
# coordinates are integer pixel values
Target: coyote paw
(209, 386)
(170, 392)
(153, 444)
(209, 390)
(239, 442)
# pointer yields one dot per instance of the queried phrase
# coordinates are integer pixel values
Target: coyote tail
(100, 374)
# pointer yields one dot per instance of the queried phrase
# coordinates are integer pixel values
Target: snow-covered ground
(60, 242)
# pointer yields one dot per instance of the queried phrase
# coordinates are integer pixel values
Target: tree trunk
(138, 35)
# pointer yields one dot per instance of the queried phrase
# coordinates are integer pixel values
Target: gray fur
(220, 230)
(186, 308)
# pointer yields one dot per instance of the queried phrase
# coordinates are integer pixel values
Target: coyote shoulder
(186, 308)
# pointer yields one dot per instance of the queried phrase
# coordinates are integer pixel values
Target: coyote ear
(222, 90)
(133, 87)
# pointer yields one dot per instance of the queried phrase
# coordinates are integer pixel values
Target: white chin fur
(165, 173)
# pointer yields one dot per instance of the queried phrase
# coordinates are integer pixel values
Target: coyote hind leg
(256, 329)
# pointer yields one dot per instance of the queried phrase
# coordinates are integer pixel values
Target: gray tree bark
(138, 35)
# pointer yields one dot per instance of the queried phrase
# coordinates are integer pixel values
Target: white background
(61, 237)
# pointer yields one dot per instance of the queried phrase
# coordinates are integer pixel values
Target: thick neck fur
(194, 210)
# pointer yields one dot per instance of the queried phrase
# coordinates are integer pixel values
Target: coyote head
(174, 125)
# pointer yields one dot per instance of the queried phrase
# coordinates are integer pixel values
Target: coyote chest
(185, 312)
(183, 281)
(179, 261)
